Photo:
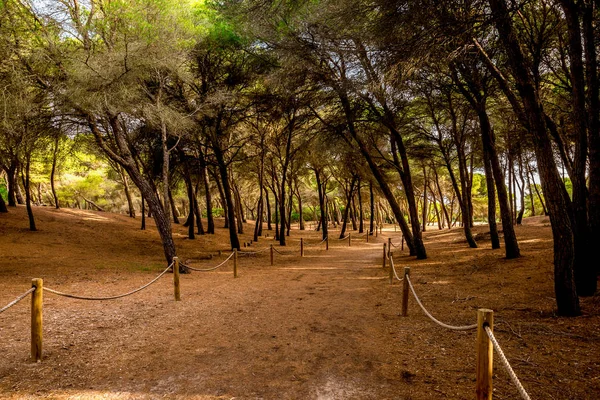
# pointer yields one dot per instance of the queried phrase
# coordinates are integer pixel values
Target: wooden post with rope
(384, 255)
(391, 270)
(37, 303)
(485, 355)
(301, 247)
(405, 290)
(271, 254)
(235, 258)
(176, 278)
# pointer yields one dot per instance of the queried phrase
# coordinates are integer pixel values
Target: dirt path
(325, 326)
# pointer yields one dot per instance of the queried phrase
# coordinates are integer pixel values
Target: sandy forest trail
(325, 326)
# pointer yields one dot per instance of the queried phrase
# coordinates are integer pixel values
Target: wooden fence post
(367, 236)
(376, 231)
(176, 278)
(405, 290)
(402, 248)
(485, 355)
(391, 270)
(37, 303)
(301, 247)
(350, 239)
(389, 246)
(271, 254)
(235, 258)
(384, 255)
(327, 243)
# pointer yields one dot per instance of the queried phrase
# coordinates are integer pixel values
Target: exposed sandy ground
(326, 326)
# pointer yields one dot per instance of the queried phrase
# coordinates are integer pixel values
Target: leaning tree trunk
(233, 237)
(510, 238)
(53, 173)
(173, 208)
(585, 271)
(320, 188)
(552, 185)
(349, 195)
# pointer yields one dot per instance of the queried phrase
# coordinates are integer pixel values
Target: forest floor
(325, 326)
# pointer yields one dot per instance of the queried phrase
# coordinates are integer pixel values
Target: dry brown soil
(326, 326)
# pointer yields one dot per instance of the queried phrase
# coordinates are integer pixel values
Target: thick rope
(15, 301)
(394, 245)
(315, 244)
(506, 364)
(344, 238)
(394, 269)
(210, 269)
(108, 297)
(280, 253)
(440, 323)
(248, 253)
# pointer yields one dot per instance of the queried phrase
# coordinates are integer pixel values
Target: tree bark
(323, 209)
(585, 271)
(552, 185)
(26, 184)
(53, 172)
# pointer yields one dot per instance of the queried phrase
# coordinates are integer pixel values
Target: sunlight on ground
(87, 216)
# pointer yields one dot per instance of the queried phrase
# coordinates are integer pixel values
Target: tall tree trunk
(585, 271)
(53, 173)
(372, 208)
(269, 226)
(198, 212)
(143, 227)
(187, 178)
(210, 221)
(323, 209)
(300, 208)
(11, 174)
(442, 204)
(424, 211)
(173, 208)
(361, 215)
(589, 25)
(238, 208)
(354, 214)
(530, 189)
(349, 195)
(233, 237)
(553, 187)
(27, 186)
(223, 201)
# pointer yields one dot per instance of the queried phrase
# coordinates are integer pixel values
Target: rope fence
(486, 341)
(73, 296)
(440, 323)
(506, 364)
(212, 268)
(15, 301)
